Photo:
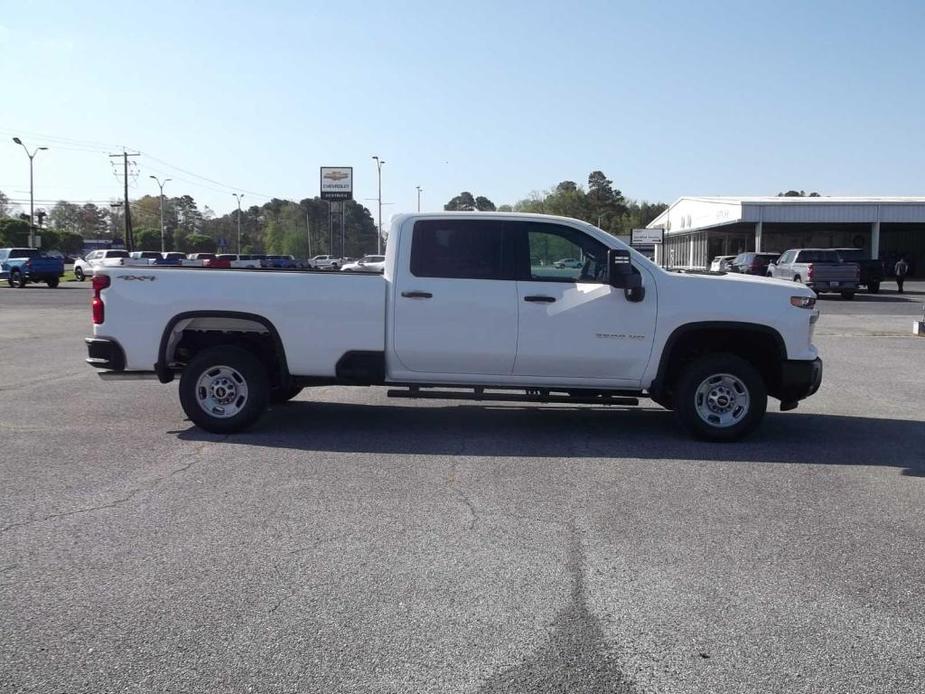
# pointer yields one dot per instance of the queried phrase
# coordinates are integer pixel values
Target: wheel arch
(232, 321)
(761, 345)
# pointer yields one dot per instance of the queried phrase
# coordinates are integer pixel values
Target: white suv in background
(84, 267)
(323, 262)
(368, 263)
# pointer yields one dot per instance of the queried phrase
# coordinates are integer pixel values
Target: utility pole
(161, 186)
(330, 227)
(343, 229)
(379, 163)
(238, 198)
(419, 197)
(31, 190)
(129, 241)
(308, 234)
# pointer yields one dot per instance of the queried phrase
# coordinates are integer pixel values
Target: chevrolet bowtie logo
(335, 175)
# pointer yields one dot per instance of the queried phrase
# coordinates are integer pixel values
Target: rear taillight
(99, 283)
(811, 271)
(28, 264)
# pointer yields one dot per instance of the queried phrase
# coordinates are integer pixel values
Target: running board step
(538, 396)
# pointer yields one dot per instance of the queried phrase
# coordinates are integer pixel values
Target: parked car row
(841, 270)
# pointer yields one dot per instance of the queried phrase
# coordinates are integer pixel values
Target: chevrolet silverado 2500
(470, 306)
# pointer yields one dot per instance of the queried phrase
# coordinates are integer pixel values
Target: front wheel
(79, 274)
(17, 279)
(224, 389)
(52, 282)
(720, 397)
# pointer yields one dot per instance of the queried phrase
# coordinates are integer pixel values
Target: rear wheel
(796, 278)
(224, 389)
(52, 282)
(79, 274)
(847, 296)
(873, 287)
(720, 397)
(17, 279)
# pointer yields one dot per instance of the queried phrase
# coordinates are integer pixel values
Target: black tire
(17, 279)
(847, 296)
(687, 401)
(873, 287)
(796, 278)
(250, 370)
(281, 395)
(53, 282)
(79, 274)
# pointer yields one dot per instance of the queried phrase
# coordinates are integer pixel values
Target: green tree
(70, 243)
(147, 239)
(65, 216)
(461, 203)
(199, 243)
(13, 232)
(92, 221)
(798, 194)
(5, 206)
(483, 204)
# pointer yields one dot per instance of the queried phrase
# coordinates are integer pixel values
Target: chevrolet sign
(336, 182)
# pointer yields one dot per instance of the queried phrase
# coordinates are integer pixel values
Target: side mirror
(622, 275)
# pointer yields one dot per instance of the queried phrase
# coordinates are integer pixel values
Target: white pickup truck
(470, 306)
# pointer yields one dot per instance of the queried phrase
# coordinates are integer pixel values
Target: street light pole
(31, 190)
(238, 198)
(161, 186)
(419, 197)
(379, 163)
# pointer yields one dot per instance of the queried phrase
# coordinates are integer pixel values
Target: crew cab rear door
(573, 324)
(455, 299)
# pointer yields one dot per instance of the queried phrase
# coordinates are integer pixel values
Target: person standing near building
(901, 269)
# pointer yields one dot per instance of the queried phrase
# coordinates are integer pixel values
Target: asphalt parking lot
(351, 543)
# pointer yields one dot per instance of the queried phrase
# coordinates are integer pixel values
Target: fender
(162, 369)
(735, 326)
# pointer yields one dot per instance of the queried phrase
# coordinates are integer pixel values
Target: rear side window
(24, 253)
(462, 249)
(818, 257)
(117, 254)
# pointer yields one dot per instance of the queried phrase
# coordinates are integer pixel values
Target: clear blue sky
(499, 98)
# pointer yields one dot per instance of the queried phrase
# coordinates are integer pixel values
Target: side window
(462, 249)
(562, 254)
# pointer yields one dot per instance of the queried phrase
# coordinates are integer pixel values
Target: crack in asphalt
(577, 657)
(461, 495)
(196, 458)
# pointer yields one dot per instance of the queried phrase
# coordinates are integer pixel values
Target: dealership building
(697, 229)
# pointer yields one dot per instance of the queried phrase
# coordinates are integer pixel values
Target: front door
(573, 324)
(455, 311)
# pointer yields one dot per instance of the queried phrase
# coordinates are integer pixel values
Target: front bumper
(798, 380)
(104, 353)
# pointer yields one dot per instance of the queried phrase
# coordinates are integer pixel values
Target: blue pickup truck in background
(19, 266)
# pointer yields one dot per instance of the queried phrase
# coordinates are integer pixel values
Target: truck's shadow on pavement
(573, 432)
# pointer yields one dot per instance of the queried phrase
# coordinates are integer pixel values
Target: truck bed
(325, 314)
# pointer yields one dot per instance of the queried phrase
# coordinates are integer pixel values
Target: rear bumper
(103, 353)
(799, 380)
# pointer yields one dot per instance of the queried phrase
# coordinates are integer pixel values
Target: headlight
(803, 301)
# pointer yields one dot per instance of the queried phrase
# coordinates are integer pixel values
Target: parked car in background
(325, 262)
(820, 269)
(148, 256)
(200, 256)
(169, 258)
(871, 268)
(84, 267)
(368, 263)
(19, 266)
(279, 262)
(238, 261)
(752, 263)
(570, 263)
(721, 263)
